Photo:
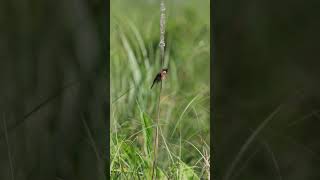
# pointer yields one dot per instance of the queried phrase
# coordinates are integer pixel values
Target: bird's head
(164, 71)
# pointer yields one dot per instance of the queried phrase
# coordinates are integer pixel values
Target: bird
(160, 76)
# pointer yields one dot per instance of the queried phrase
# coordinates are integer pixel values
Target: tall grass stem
(161, 45)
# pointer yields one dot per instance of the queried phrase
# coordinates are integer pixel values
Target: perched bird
(160, 76)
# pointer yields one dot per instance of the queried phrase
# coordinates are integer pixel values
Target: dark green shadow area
(53, 90)
(266, 56)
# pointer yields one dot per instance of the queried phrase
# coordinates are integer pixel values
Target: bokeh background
(266, 55)
(185, 96)
(53, 90)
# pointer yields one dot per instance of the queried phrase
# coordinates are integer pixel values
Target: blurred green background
(53, 90)
(267, 54)
(185, 96)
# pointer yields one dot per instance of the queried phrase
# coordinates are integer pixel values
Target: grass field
(184, 119)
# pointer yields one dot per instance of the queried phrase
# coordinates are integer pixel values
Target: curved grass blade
(249, 141)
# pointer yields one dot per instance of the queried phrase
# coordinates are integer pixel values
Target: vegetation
(184, 123)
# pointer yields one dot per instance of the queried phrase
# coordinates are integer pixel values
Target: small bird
(160, 76)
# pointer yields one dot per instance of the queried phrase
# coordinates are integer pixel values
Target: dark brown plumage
(160, 76)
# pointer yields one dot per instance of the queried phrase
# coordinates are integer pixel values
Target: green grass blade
(147, 133)
(184, 111)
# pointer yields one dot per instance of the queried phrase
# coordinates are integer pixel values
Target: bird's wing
(156, 79)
